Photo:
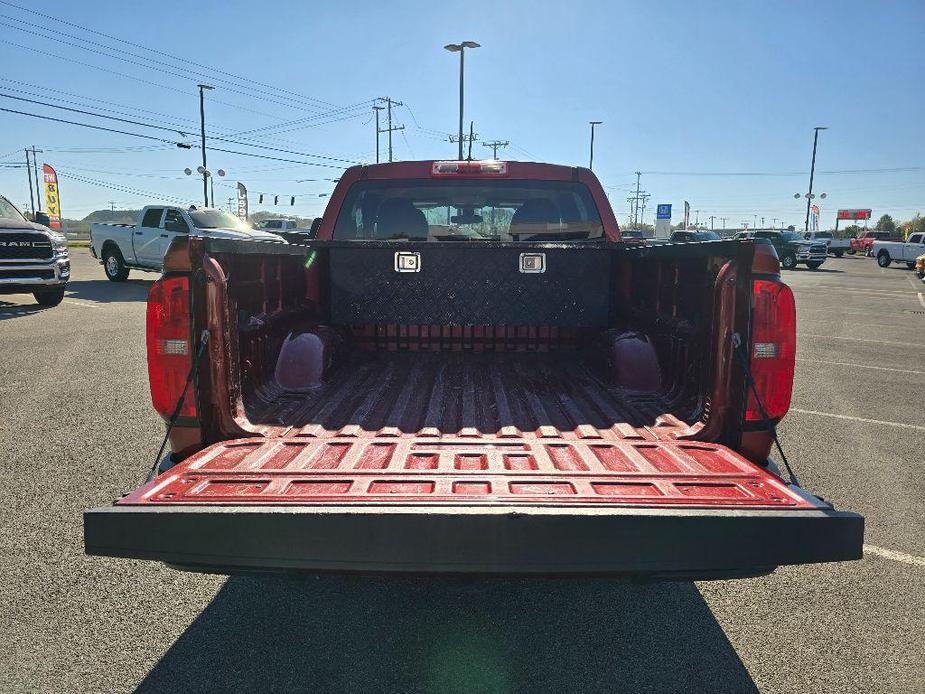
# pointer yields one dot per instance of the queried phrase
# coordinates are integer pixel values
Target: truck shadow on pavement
(104, 292)
(365, 634)
(9, 310)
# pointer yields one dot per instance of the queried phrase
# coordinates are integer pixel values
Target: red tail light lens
(170, 347)
(773, 349)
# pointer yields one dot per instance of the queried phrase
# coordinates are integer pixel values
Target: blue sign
(663, 212)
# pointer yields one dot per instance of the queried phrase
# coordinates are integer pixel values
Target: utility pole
(755, 220)
(812, 171)
(711, 222)
(470, 138)
(388, 107)
(774, 223)
(202, 126)
(29, 178)
(635, 216)
(644, 197)
(592, 123)
(112, 205)
(376, 109)
(696, 219)
(495, 146)
(723, 219)
(35, 168)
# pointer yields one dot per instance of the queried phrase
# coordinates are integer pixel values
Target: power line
(160, 139)
(162, 53)
(182, 133)
(72, 61)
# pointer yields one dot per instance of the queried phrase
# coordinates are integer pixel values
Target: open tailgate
(457, 505)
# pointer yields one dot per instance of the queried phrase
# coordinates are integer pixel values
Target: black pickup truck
(791, 247)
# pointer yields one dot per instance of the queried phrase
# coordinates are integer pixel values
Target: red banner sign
(52, 200)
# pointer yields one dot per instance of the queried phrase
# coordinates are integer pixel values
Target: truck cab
(33, 258)
(141, 246)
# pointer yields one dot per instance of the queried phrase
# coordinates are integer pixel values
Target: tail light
(170, 347)
(488, 167)
(773, 349)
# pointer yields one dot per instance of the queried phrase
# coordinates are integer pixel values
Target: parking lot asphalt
(78, 431)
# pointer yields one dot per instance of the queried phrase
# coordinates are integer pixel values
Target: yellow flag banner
(52, 200)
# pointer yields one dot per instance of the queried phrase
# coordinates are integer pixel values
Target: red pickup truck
(864, 241)
(467, 371)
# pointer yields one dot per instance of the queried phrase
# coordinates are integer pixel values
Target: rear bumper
(670, 543)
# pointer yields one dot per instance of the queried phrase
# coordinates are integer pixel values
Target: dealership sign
(854, 214)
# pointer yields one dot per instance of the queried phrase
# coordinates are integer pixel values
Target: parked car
(141, 246)
(864, 241)
(383, 401)
(693, 235)
(836, 246)
(791, 247)
(906, 251)
(33, 258)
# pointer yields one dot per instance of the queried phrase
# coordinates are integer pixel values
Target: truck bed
(463, 427)
(545, 395)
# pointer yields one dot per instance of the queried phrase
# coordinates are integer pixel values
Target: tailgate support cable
(193, 373)
(740, 352)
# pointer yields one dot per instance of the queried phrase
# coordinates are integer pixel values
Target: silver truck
(33, 258)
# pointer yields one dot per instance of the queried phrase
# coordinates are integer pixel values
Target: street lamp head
(823, 195)
(188, 171)
(221, 172)
(456, 47)
(595, 122)
(200, 169)
(205, 86)
(821, 127)
(796, 196)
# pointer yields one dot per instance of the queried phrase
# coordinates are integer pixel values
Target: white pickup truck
(141, 246)
(904, 251)
(837, 246)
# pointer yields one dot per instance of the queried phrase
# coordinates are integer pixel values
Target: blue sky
(684, 89)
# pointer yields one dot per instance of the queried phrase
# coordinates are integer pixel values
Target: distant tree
(851, 230)
(918, 223)
(886, 223)
(791, 228)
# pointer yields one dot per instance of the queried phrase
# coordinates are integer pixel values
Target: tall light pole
(461, 49)
(592, 123)
(202, 127)
(812, 170)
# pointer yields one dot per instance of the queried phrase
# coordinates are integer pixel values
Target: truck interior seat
(399, 218)
(534, 211)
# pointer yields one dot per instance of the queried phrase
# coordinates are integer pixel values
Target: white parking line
(861, 366)
(862, 339)
(842, 289)
(900, 425)
(85, 304)
(894, 555)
